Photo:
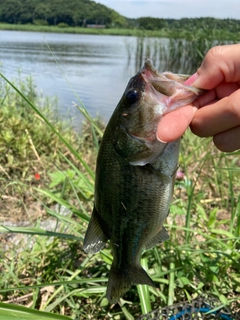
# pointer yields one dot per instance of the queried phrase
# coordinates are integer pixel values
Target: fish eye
(132, 96)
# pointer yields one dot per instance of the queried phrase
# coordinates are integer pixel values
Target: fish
(135, 175)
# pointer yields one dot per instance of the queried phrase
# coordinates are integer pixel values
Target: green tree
(10, 11)
(117, 20)
(27, 13)
(42, 11)
(150, 23)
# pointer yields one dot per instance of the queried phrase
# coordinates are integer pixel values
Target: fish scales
(135, 176)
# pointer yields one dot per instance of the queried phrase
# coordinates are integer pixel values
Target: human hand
(217, 112)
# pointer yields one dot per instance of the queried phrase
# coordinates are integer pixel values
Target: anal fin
(161, 236)
(95, 238)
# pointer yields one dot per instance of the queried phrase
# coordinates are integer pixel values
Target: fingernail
(160, 140)
(192, 79)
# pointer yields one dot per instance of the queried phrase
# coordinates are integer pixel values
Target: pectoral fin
(95, 238)
(160, 237)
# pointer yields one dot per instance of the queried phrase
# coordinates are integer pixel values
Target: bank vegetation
(47, 174)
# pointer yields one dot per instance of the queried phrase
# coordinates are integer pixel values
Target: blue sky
(175, 8)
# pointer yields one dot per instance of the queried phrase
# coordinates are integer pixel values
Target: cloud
(176, 8)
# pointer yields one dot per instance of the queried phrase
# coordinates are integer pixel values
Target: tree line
(71, 12)
(83, 12)
(189, 24)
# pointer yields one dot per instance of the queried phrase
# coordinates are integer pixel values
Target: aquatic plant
(180, 52)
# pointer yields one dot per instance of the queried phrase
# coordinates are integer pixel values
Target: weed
(49, 271)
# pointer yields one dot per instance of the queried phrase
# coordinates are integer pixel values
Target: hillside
(82, 12)
(71, 12)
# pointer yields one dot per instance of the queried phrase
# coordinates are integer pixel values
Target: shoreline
(80, 30)
(217, 34)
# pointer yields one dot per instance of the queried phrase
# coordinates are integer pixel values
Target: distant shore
(216, 34)
(80, 30)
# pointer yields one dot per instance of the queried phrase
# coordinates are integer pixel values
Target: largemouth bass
(135, 176)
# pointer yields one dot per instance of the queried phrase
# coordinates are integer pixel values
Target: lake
(96, 67)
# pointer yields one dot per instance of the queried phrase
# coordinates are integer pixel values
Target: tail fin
(121, 280)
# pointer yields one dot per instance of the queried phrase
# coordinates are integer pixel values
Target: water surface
(95, 67)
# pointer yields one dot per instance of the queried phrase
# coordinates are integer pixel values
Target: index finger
(221, 63)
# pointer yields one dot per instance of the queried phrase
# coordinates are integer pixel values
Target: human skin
(217, 112)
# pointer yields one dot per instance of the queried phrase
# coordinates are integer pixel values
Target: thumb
(173, 125)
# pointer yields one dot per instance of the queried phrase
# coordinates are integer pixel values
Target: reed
(180, 33)
(79, 30)
(179, 52)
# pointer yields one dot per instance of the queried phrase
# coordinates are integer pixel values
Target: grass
(47, 270)
(180, 52)
(27, 153)
(79, 30)
(161, 33)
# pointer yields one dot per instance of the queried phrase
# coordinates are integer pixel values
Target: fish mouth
(170, 88)
(159, 80)
(150, 71)
(149, 66)
(156, 79)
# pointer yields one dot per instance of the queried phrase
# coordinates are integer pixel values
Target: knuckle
(226, 141)
(215, 51)
(234, 109)
(196, 128)
(220, 142)
(213, 54)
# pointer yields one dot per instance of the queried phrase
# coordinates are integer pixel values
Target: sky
(176, 9)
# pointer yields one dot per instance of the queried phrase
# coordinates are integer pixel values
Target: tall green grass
(179, 52)
(48, 271)
(181, 33)
(79, 30)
